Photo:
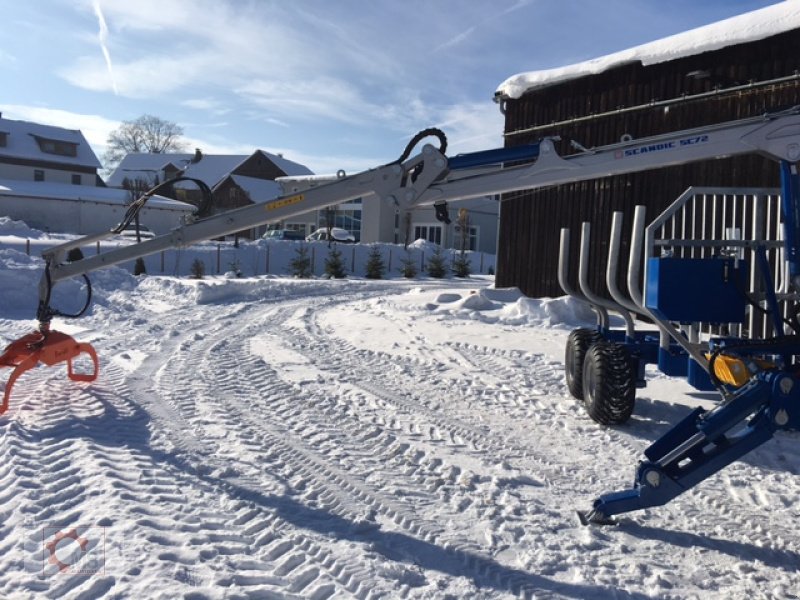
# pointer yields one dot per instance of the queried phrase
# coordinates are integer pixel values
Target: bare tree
(145, 134)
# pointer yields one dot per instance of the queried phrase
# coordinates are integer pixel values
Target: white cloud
(7, 57)
(201, 103)
(288, 62)
(314, 98)
(472, 126)
(210, 105)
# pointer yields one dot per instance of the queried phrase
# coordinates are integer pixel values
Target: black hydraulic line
(430, 131)
(203, 210)
(45, 312)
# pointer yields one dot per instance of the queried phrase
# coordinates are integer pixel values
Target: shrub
(300, 266)
(139, 268)
(74, 254)
(198, 269)
(334, 265)
(235, 267)
(436, 265)
(375, 267)
(408, 267)
(461, 266)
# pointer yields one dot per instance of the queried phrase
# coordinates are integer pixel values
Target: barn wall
(530, 222)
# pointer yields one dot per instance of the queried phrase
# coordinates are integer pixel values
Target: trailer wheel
(609, 383)
(578, 342)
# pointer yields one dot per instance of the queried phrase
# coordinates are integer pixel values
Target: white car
(337, 233)
(130, 232)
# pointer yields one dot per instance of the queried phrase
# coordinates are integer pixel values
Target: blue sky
(333, 84)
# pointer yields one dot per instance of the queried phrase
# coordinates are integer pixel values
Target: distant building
(33, 152)
(736, 68)
(48, 179)
(234, 180)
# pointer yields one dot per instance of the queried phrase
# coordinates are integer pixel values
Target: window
(76, 179)
(300, 227)
(38, 175)
(469, 241)
(57, 146)
(344, 218)
(430, 233)
(3, 138)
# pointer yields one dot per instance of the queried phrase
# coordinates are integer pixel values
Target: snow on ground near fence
(268, 437)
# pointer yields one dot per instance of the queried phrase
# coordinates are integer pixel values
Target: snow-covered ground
(265, 437)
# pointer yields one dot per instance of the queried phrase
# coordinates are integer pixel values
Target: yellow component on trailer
(733, 371)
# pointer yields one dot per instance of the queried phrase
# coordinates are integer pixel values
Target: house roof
(21, 143)
(66, 191)
(287, 166)
(212, 169)
(260, 190)
(749, 27)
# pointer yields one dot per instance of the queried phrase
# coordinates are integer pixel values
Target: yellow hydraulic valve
(733, 371)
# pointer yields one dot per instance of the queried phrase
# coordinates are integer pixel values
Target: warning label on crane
(284, 202)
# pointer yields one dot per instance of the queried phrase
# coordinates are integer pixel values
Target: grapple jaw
(46, 346)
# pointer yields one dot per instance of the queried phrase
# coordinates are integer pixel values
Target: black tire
(609, 383)
(578, 342)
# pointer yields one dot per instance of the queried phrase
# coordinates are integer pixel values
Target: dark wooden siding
(259, 165)
(530, 222)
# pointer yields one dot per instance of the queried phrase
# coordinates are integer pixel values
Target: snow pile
(423, 245)
(19, 229)
(749, 27)
(510, 307)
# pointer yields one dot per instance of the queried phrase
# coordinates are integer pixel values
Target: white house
(33, 152)
(48, 179)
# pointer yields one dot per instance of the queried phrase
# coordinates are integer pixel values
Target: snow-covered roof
(146, 166)
(21, 142)
(66, 191)
(260, 190)
(749, 27)
(287, 166)
(212, 169)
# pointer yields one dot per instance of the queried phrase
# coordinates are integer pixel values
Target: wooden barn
(741, 67)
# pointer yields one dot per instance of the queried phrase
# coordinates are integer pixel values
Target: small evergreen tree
(436, 264)
(235, 267)
(74, 254)
(461, 266)
(198, 269)
(375, 267)
(408, 267)
(334, 265)
(300, 265)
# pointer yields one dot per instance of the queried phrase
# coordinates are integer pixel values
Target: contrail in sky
(102, 35)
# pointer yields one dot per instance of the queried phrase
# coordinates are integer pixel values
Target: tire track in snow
(81, 457)
(592, 436)
(288, 553)
(241, 390)
(478, 438)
